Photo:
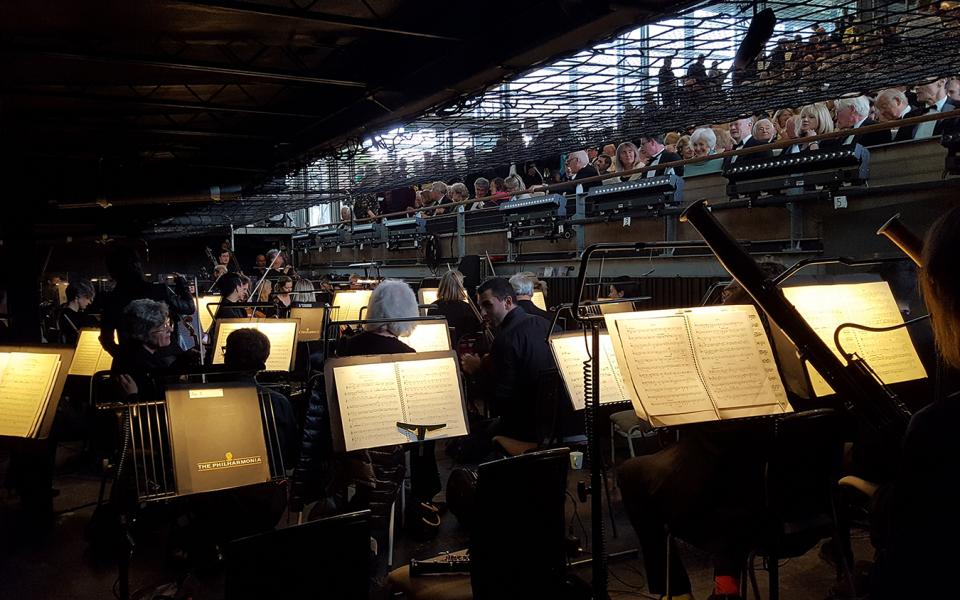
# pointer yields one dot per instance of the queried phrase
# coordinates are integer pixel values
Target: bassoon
(863, 395)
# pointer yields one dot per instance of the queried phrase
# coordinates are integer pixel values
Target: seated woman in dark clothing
(452, 304)
(145, 330)
(80, 295)
(234, 290)
(393, 299)
(915, 515)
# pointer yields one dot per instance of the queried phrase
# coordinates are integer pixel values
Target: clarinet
(863, 395)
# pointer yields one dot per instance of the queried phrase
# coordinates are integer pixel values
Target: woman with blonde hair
(628, 158)
(684, 149)
(815, 120)
(452, 303)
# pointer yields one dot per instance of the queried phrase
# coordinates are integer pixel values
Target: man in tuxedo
(892, 105)
(852, 113)
(953, 90)
(741, 131)
(579, 167)
(651, 144)
(932, 96)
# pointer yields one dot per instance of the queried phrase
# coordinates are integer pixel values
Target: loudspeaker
(470, 267)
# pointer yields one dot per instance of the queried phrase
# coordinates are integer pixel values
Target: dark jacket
(664, 157)
(906, 133)
(230, 310)
(459, 316)
(918, 509)
(71, 322)
(529, 307)
(585, 172)
(874, 138)
(369, 342)
(519, 354)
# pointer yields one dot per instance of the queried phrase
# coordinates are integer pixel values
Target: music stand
(329, 555)
(46, 419)
(175, 451)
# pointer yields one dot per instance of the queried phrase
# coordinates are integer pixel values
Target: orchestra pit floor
(51, 562)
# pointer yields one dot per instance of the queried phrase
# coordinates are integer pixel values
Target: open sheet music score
(429, 336)
(216, 437)
(89, 357)
(311, 322)
(29, 380)
(281, 332)
(890, 354)
(570, 350)
(369, 395)
(697, 364)
(347, 304)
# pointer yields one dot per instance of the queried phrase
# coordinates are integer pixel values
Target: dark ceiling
(146, 105)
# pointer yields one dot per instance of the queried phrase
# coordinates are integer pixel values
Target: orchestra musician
(394, 299)
(80, 295)
(234, 291)
(452, 304)
(708, 467)
(524, 285)
(282, 298)
(278, 265)
(914, 514)
(125, 268)
(518, 356)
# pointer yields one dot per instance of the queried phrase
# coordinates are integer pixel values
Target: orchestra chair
(801, 499)
(327, 558)
(517, 534)
(627, 424)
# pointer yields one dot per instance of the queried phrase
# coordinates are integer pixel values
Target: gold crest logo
(229, 455)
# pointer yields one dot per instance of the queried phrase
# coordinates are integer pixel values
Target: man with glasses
(578, 167)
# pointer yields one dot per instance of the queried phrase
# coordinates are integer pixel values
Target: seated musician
(394, 299)
(247, 351)
(915, 513)
(452, 304)
(281, 297)
(80, 295)
(234, 290)
(518, 356)
(524, 285)
(145, 331)
(709, 467)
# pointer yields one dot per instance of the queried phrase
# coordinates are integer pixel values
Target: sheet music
(26, 381)
(733, 369)
(89, 357)
(429, 337)
(891, 354)
(662, 368)
(431, 393)
(538, 300)
(428, 295)
(369, 400)
(281, 332)
(350, 302)
(570, 353)
(206, 319)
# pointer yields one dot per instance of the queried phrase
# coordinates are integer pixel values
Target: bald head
(891, 104)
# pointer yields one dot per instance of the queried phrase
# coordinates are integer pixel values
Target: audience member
(652, 146)
(579, 167)
(704, 142)
(892, 105)
(853, 113)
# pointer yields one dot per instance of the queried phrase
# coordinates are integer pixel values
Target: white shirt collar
(860, 122)
(744, 141)
(906, 109)
(940, 104)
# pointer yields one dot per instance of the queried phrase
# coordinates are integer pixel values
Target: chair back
(517, 543)
(327, 558)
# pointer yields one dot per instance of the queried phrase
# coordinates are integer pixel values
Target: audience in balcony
(628, 158)
(892, 105)
(815, 120)
(578, 167)
(764, 131)
(656, 153)
(853, 113)
(704, 142)
(932, 97)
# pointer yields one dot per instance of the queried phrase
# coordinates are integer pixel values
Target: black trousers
(703, 488)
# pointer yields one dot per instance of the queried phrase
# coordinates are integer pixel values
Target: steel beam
(143, 101)
(252, 8)
(184, 66)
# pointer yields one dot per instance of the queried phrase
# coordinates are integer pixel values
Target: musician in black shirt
(80, 295)
(234, 290)
(518, 356)
(523, 285)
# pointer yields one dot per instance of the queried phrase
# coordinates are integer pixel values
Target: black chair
(327, 558)
(802, 504)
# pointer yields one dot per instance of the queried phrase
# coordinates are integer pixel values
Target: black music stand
(159, 462)
(328, 557)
